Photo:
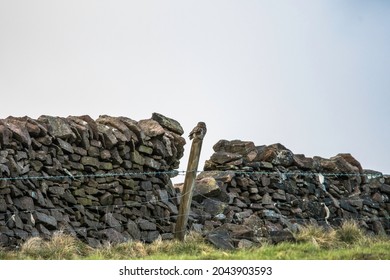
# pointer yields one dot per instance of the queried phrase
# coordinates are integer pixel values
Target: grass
(348, 242)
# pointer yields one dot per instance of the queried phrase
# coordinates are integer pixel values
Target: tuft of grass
(317, 236)
(350, 233)
(60, 246)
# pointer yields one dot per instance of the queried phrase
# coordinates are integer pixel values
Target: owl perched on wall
(199, 131)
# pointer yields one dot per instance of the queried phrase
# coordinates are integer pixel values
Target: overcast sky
(312, 75)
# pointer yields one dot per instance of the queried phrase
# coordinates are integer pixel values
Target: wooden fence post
(185, 204)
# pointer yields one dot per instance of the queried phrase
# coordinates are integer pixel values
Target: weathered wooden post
(197, 134)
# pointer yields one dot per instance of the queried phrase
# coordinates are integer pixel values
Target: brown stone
(151, 128)
(19, 130)
(168, 123)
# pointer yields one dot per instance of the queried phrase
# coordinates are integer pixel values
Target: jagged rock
(303, 162)
(19, 130)
(385, 188)
(168, 123)
(146, 225)
(91, 161)
(108, 137)
(111, 221)
(5, 134)
(242, 148)
(151, 128)
(133, 230)
(206, 187)
(214, 207)
(342, 165)
(137, 134)
(221, 240)
(65, 146)
(24, 203)
(46, 220)
(58, 127)
(117, 124)
(224, 157)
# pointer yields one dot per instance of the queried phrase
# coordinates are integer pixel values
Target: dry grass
(60, 246)
(351, 233)
(313, 242)
(317, 236)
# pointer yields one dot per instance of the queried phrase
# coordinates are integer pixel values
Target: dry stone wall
(109, 180)
(104, 180)
(247, 194)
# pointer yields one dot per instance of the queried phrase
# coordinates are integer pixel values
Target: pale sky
(312, 75)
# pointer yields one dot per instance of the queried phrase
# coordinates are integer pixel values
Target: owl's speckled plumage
(199, 131)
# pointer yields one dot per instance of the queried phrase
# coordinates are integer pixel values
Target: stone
(57, 190)
(80, 151)
(303, 162)
(133, 230)
(91, 161)
(24, 203)
(224, 157)
(108, 137)
(19, 130)
(48, 221)
(36, 165)
(270, 215)
(151, 128)
(145, 150)
(21, 234)
(267, 199)
(137, 133)
(106, 166)
(117, 124)
(106, 199)
(58, 127)
(168, 123)
(351, 160)
(214, 207)
(152, 163)
(65, 146)
(343, 166)
(93, 151)
(84, 201)
(111, 221)
(347, 206)
(3, 205)
(5, 134)
(235, 146)
(220, 240)
(284, 158)
(112, 236)
(150, 236)
(69, 197)
(281, 236)
(206, 187)
(385, 188)
(146, 225)
(172, 208)
(105, 154)
(146, 185)
(137, 158)
(245, 244)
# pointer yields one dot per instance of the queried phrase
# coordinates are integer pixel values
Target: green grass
(348, 242)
